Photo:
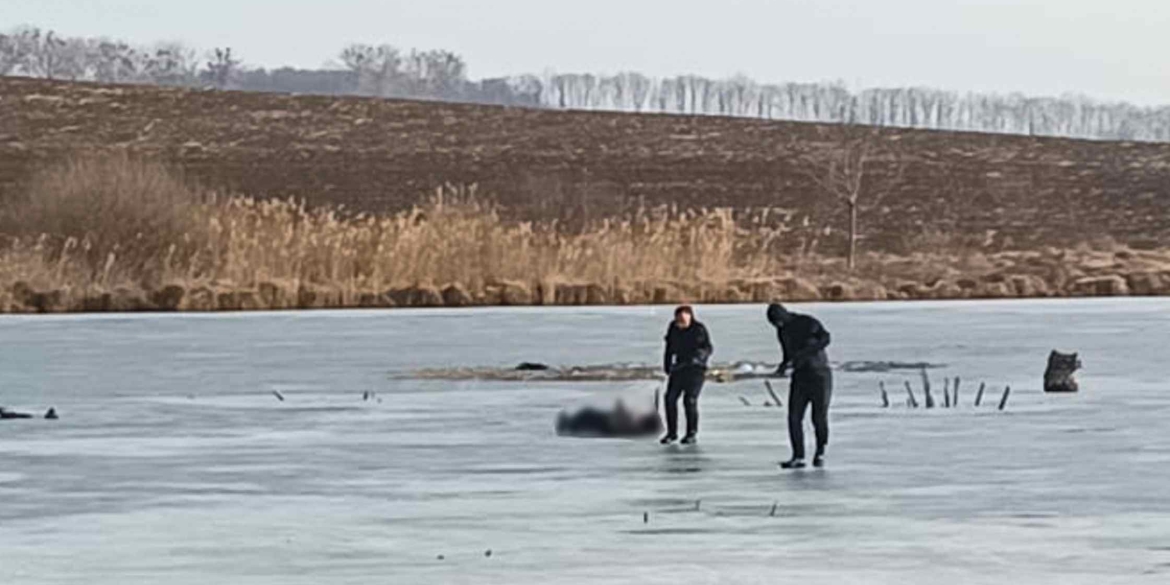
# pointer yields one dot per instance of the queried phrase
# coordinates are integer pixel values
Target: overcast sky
(1113, 50)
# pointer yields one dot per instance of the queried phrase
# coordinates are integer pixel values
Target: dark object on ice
(885, 396)
(1007, 391)
(794, 463)
(772, 393)
(722, 372)
(910, 393)
(8, 414)
(979, 396)
(278, 395)
(618, 422)
(1059, 375)
(926, 390)
(882, 367)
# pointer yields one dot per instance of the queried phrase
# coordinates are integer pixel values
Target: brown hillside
(379, 154)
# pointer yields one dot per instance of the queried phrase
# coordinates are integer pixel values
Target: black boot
(668, 439)
(819, 460)
(794, 463)
(690, 439)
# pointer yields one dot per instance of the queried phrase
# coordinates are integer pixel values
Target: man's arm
(668, 356)
(784, 353)
(705, 346)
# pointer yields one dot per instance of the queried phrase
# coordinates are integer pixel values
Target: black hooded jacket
(690, 347)
(802, 341)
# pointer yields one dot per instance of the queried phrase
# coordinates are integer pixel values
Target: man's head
(683, 316)
(778, 315)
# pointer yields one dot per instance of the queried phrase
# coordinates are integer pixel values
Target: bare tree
(114, 62)
(171, 64)
(46, 53)
(526, 90)
(383, 71)
(222, 68)
(435, 74)
(842, 172)
(51, 56)
(14, 49)
(375, 68)
(639, 89)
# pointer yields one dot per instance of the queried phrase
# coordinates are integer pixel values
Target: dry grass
(93, 227)
(106, 213)
(101, 223)
(458, 238)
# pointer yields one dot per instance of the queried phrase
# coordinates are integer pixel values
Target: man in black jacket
(803, 341)
(688, 346)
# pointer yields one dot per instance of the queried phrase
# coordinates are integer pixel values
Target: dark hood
(777, 314)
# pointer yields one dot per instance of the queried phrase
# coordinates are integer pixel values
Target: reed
(117, 233)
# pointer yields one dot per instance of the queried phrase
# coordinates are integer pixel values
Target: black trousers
(688, 383)
(811, 386)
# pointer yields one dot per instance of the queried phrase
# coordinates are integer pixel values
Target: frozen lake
(174, 463)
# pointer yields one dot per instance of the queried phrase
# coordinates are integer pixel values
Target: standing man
(688, 346)
(802, 342)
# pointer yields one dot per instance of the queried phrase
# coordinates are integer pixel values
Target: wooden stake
(946, 392)
(744, 401)
(1003, 401)
(776, 399)
(885, 397)
(926, 389)
(773, 512)
(979, 396)
(956, 400)
(910, 392)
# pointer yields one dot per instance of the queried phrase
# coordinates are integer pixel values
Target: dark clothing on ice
(690, 347)
(813, 387)
(685, 360)
(687, 382)
(802, 342)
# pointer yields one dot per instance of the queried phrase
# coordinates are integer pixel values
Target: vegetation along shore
(113, 233)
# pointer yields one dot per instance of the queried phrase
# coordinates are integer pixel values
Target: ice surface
(174, 463)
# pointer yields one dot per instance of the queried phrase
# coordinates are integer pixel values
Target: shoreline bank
(22, 298)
